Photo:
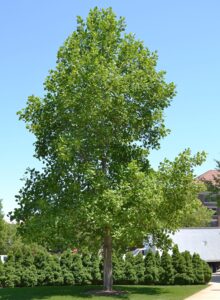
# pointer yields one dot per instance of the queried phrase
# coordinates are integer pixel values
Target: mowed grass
(78, 293)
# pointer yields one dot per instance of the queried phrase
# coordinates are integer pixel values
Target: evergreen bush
(130, 270)
(52, 272)
(207, 272)
(179, 266)
(189, 268)
(87, 267)
(29, 276)
(118, 268)
(96, 271)
(167, 271)
(31, 265)
(198, 269)
(152, 264)
(77, 269)
(140, 268)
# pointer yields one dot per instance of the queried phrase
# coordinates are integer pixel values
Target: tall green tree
(101, 114)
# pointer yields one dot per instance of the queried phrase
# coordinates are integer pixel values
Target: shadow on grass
(73, 292)
(146, 290)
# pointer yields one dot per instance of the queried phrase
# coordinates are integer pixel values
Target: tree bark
(107, 251)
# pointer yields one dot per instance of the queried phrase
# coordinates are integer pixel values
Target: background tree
(199, 216)
(214, 184)
(101, 114)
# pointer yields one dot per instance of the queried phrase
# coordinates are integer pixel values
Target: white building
(204, 241)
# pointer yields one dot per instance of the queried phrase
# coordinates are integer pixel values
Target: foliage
(213, 186)
(207, 272)
(77, 269)
(157, 259)
(198, 269)
(176, 256)
(167, 271)
(53, 272)
(130, 270)
(152, 264)
(87, 267)
(96, 269)
(189, 268)
(28, 276)
(8, 234)
(200, 216)
(119, 268)
(32, 265)
(179, 265)
(140, 268)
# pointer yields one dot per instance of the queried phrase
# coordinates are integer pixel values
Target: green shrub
(87, 267)
(118, 268)
(96, 272)
(130, 270)
(167, 272)
(207, 272)
(189, 268)
(157, 259)
(77, 269)
(179, 266)
(198, 269)
(140, 268)
(53, 272)
(151, 268)
(68, 278)
(66, 259)
(11, 277)
(29, 276)
(31, 265)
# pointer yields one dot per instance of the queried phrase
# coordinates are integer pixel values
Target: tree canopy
(102, 113)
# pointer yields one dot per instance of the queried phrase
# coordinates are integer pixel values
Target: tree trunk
(107, 249)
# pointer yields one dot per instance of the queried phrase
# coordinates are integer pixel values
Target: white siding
(204, 241)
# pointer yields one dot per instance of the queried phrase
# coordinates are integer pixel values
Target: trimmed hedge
(32, 265)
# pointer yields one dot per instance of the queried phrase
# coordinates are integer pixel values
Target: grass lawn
(77, 293)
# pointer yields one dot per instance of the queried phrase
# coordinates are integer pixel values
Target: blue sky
(185, 34)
